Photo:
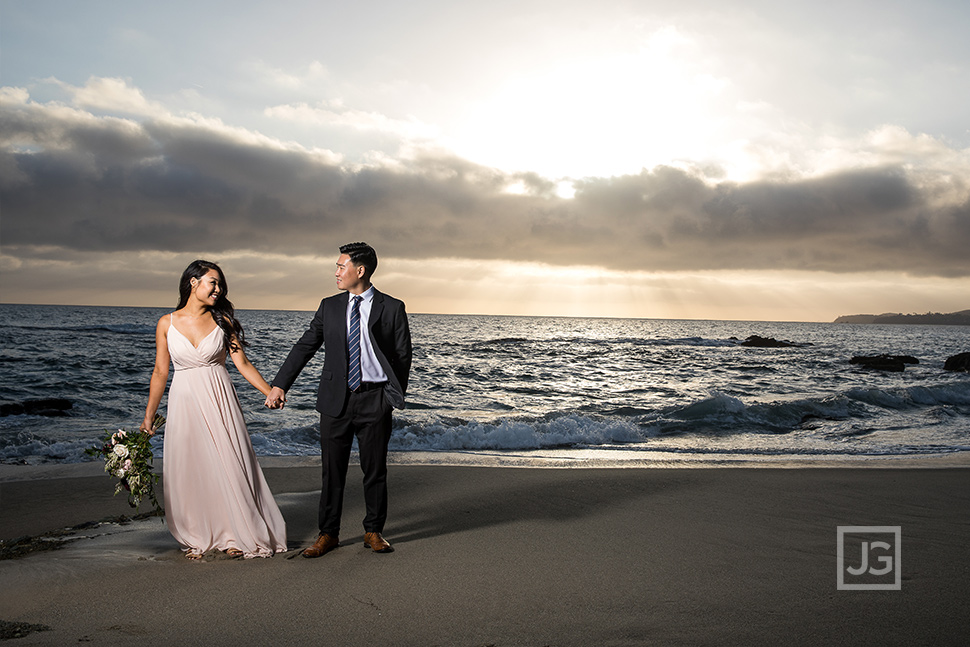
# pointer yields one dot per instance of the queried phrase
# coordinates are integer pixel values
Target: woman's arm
(248, 371)
(159, 374)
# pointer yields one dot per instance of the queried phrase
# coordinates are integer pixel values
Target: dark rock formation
(50, 407)
(754, 341)
(11, 409)
(884, 362)
(959, 362)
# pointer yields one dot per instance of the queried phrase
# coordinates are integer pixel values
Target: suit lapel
(376, 308)
(338, 322)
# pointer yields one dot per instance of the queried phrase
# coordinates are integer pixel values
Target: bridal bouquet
(128, 457)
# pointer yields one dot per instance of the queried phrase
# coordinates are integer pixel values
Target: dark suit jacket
(390, 338)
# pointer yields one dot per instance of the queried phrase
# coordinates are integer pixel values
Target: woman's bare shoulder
(164, 322)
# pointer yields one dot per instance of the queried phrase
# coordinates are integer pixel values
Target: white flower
(120, 451)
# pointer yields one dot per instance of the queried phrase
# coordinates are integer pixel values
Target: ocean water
(492, 386)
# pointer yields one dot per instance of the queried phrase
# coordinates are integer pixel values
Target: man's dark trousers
(367, 416)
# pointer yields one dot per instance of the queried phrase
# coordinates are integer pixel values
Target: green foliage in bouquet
(128, 457)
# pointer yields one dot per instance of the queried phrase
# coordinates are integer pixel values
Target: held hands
(276, 398)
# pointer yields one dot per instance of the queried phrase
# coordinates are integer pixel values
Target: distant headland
(961, 318)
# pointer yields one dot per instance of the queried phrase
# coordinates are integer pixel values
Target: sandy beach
(507, 556)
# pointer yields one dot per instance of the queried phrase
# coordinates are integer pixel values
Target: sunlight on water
(671, 388)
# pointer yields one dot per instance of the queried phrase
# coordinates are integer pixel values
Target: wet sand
(508, 556)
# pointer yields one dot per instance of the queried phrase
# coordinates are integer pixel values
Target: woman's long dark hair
(223, 311)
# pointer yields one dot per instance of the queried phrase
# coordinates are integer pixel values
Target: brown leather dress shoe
(377, 543)
(323, 545)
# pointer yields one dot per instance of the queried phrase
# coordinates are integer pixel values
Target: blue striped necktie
(353, 346)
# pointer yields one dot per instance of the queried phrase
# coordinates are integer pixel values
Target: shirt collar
(367, 294)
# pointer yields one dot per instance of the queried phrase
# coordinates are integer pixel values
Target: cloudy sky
(691, 159)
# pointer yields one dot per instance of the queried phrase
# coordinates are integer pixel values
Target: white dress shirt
(370, 368)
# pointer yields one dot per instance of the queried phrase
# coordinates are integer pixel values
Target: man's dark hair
(361, 254)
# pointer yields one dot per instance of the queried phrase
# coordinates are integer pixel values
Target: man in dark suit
(367, 359)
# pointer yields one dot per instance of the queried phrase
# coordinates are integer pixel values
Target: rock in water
(959, 362)
(51, 407)
(755, 341)
(884, 362)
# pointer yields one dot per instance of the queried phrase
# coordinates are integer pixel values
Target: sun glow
(600, 116)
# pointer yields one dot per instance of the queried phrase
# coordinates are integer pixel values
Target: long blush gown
(215, 493)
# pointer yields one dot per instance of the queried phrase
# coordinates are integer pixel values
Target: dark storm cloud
(76, 182)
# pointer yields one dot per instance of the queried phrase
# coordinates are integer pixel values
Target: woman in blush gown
(215, 493)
